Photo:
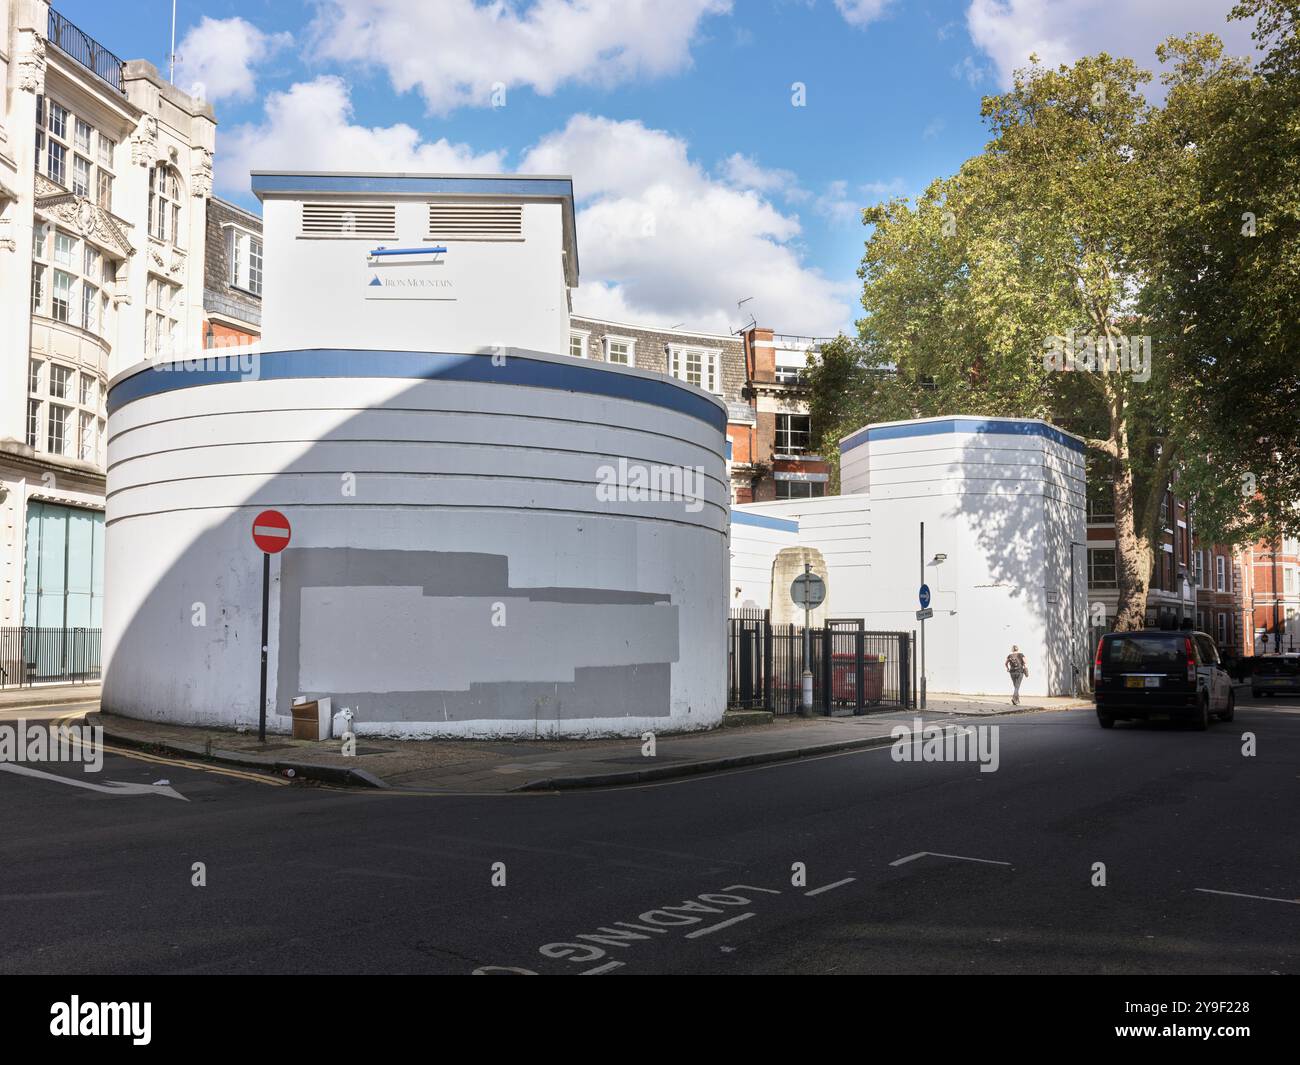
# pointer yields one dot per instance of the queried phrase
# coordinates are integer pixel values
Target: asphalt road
(1199, 843)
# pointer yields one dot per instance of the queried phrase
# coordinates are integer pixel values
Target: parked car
(1156, 673)
(1275, 673)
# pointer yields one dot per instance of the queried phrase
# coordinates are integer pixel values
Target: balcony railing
(85, 50)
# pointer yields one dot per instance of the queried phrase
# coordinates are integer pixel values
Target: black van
(1155, 673)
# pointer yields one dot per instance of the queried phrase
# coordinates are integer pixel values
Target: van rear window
(1164, 652)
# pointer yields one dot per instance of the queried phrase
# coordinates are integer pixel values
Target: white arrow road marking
(113, 787)
(1239, 895)
(936, 854)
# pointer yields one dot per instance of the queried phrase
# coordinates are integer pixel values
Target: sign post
(271, 535)
(925, 603)
(808, 590)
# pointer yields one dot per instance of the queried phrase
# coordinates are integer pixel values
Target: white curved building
(489, 539)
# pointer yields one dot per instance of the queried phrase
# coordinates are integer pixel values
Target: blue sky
(699, 182)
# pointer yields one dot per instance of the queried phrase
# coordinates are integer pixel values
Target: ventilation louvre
(366, 220)
(476, 221)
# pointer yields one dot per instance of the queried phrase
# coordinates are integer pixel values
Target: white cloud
(455, 51)
(215, 59)
(310, 127)
(661, 241)
(1060, 31)
(860, 12)
(745, 172)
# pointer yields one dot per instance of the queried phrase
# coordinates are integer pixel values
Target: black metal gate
(854, 671)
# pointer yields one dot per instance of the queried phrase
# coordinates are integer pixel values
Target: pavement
(484, 766)
(1144, 849)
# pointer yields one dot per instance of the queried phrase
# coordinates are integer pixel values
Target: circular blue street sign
(925, 596)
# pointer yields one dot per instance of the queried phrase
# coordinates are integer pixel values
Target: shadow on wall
(452, 569)
(1024, 537)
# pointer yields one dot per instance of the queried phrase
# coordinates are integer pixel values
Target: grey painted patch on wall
(408, 636)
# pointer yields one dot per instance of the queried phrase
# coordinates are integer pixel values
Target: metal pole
(807, 699)
(171, 56)
(923, 619)
(266, 594)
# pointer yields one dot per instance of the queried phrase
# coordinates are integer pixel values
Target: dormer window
(620, 350)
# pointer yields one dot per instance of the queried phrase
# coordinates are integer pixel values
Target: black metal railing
(85, 50)
(853, 670)
(31, 655)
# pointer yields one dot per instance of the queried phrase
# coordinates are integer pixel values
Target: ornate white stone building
(105, 170)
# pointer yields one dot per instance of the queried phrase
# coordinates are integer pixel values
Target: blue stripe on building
(762, 521)
(517, 370)
(962, 425)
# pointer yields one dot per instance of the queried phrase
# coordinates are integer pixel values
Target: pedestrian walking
(1019, 670)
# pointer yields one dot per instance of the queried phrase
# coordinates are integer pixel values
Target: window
(62, 410)
(244, 252)
(793, 434)
(1101, 503)
(695, 366)
(1220, 574)
(38, 288)
(59, 378)
(61, 134)
(33, 423)
(164, 204)
(578, 345)
(161, 329)
(63, 570)
(83, 268)
(620, 350)
(80, 175)
(64, 246)
(61, 297)
(57, 430)
(86, 434)
(104, 190)
(1101, 568)
(1199, 563)
(1223, 628)
(800, 489)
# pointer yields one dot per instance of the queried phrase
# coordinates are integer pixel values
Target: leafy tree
(1072, 237)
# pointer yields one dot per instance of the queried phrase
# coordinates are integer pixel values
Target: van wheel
(1202, 719)
(1230, 711)
(1105, 721)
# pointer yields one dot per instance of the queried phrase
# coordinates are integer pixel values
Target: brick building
(1192, 582)
(232, 276)
(777, 444)
(1270, 606)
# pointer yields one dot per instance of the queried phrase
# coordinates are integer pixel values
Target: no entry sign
(271, 531)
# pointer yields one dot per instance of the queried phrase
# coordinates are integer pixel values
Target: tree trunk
(1132, 548)
(1132, 556)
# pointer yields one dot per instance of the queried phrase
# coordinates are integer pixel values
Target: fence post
(827, 670)
(859, 670)
(769, 663)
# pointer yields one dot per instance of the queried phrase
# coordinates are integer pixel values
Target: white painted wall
(1002, 506)
(503, 293)
(441, 466)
